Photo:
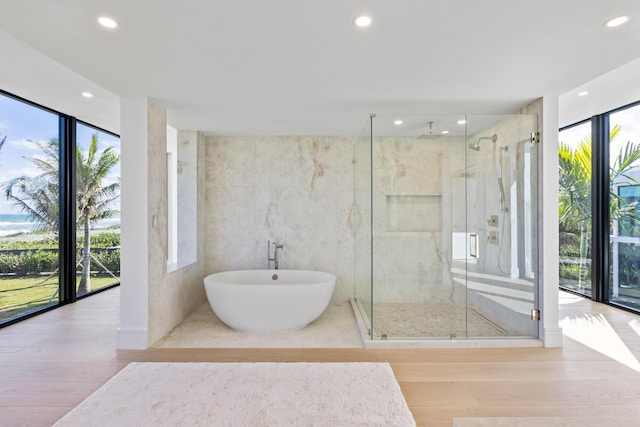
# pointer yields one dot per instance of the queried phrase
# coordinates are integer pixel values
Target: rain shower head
(429, 135)
(475, 146)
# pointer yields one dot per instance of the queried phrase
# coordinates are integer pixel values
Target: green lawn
(20, 295)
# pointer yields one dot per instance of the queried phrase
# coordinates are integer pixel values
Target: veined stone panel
(295, 190)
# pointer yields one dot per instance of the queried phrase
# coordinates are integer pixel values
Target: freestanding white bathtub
(264, 301)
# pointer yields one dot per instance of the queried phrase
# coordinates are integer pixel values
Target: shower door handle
(473, 245)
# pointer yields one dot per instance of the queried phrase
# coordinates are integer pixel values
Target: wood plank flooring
(50, 363)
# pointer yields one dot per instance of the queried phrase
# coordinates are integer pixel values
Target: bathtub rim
(218, 277)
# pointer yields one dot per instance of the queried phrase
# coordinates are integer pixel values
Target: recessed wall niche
(182, 199)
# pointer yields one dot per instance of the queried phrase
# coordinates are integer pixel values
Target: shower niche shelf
(413, 212)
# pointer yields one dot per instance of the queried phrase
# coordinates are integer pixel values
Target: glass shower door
(361, 221)
(502, 222)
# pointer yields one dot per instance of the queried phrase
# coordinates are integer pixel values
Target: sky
(22, 124)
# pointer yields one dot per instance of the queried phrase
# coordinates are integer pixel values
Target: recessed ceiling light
(616, 21)
(444, 132)
(87, 94)
(462, 122)
(397, 122)
(107, 22)
(583, 93)
(362, 21)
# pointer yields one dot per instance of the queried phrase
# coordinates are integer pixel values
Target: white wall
(153, 301)
(134, 268)
(550, 332)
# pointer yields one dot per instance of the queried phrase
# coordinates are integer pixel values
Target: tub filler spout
(277, 245)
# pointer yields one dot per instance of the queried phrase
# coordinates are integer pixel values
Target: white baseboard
(132, 339)
(552, 337)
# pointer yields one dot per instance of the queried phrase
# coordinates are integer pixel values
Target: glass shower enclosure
(445, 221)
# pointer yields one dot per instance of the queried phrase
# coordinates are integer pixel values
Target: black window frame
(600, 199)
(67, 211)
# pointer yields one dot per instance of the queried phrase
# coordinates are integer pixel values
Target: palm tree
(94, 200)
(38, 197)
(575, 198)
(575, 191)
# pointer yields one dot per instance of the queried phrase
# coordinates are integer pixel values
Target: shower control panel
(493, 221)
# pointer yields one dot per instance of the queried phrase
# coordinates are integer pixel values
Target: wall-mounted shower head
(475, 146)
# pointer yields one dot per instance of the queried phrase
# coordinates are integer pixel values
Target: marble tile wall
(295, 190)
(172, 296)
(412, 218)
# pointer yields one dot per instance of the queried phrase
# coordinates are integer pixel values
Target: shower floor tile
(444, 321)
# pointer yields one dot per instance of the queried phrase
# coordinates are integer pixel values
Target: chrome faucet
(277, 245)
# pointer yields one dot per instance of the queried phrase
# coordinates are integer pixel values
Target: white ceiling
(300, 67)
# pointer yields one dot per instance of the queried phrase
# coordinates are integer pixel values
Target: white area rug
(246, 394)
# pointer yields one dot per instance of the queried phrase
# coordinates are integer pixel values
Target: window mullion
(67, 210)
(600, 207)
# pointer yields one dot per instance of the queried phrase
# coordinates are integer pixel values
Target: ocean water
(19, 223)
(14, 223)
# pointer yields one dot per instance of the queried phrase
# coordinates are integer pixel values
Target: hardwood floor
(50, 363)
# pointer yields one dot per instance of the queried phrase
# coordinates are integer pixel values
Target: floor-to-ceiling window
(599, 167)
(575, 208)
(98, 208)
(29, 207)
(59, 180)
(624, 148)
